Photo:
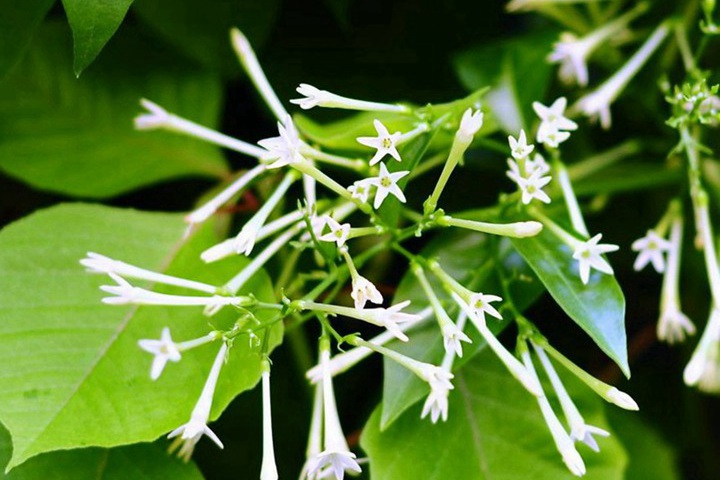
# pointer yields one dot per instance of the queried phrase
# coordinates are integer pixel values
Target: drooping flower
(386, 184)
(589, 255)
(703, 370)
(269, 468)
(364, 290)
(385, 143)
(190, 433)
(163, 350)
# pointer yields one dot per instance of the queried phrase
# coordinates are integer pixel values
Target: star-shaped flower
(190, 434)
(532, 187)
(331, 464)
(470, 124)
(386, 183)
(436, 404)
(554, 115)
(390, 318)
(164, 350)
(520, 148)
(549, 135)
(360, 190)
(285, 148)
(338, 232)
(452, 336)
(385, 143)
(479, 304)
(313, 96)
(536, 163)
(652, 248)
(674, 325)
(571, 53)
(588, 254)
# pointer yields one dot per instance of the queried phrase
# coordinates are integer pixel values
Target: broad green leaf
(470, 258)
(517, 71)
(76, 137)
(71, 373)
(201, 29)
(18, 22)
(93, 24)
(598, 307)
(651, 457)
(494, 431)
(147, 462)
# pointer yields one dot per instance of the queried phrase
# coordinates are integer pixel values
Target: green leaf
(149, 462)
(18, 22)
(598, 307)
(93, 24)
(494, 431)
(71, 373)
(651, 457)
(516, 69)
(76, 137)
(469, 258)
(201, 29)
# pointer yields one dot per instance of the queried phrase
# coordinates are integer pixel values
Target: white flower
(164, 350)
(336, 458)
(532, 187)
(513, 172)
(554, 115)
(360, 190)
(564, 444)
(519, 148)
(588, 254)
(245, 240)
(479, 304)
(391, 317)
(338, 233)
(436, 404)
(674, 325)
(452, 336)
(549, 135)
(313, 96)
(96, 263)
(470, 123)
(364, 290)
(157, 117)
(191, 432)
(537, 163)
(386, 184)
(651, 247)
(269, 468)
(703, 370)
(385, 143)
(284, 149)
(571, 53)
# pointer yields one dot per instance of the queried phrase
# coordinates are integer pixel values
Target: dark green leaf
(201, 29)
(18, 22)
(76, 137)
(598, 307)
(71, 373)
(494, 431)
(93, 24)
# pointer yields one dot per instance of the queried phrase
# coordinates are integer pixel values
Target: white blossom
(284, 149)
(386, 184)
(156, 117)
(536, 163)
(338, 232)
(480, 304)
(269, 468)
(470, 123)
(452, 336)
(621, 399)
(364, 290)
(191, 432)
(385, 143)
(313, 96)
(163, 350)
(554, 115)
(390, 318)
(550, 136)
(703, 370)
(651, 248)
(571, 53)
(589, 255)
(436, 405)
(360, 190)
(519, 148)
(532, 187)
